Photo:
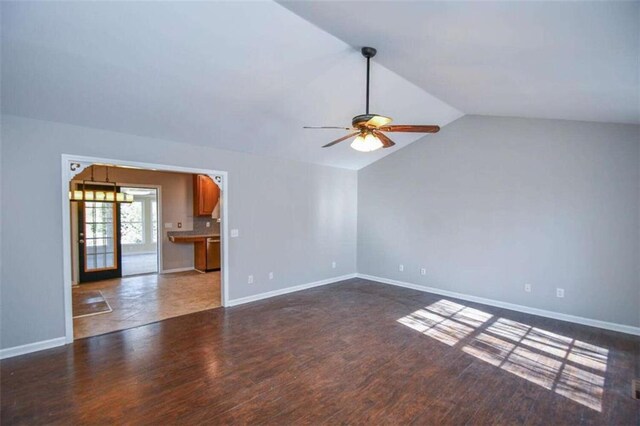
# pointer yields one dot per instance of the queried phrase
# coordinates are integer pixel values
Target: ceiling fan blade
(378, 121)
(328, 127)
(410, 128)
(386, 142)
(341, 139)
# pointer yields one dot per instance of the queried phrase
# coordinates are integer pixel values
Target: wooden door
(98, 241)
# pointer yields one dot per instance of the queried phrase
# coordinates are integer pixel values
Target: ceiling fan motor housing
(359, 120)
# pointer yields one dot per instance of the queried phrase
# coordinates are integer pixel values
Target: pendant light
(108, 195)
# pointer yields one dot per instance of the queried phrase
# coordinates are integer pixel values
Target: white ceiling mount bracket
(77, 167)
(217, 179)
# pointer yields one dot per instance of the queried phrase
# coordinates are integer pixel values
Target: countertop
(189, 236)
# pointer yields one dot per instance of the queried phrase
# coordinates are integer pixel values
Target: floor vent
(635, 385)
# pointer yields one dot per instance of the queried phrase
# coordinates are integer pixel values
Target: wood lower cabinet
(200, 255)
(206, 254)
(205, 195)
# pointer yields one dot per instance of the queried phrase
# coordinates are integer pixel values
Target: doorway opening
(139, 231)
(135, 253)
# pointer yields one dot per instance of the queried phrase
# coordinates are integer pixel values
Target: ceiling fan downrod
(368, 52)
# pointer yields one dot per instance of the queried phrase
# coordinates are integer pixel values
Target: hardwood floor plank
(350, 353)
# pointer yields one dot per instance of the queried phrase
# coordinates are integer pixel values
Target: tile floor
(144, 299)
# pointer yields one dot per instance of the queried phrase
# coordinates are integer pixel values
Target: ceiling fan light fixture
(367, 143)
(369, 128)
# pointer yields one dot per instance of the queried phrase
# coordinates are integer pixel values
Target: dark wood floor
(354, 352)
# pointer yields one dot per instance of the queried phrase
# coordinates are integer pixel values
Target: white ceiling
(247, 76)
(239, 76)
(576, 60)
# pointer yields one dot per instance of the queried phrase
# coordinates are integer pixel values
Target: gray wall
(490, 204)
(310, 212)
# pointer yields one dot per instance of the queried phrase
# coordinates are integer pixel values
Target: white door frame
(159, 230)
(74, 164)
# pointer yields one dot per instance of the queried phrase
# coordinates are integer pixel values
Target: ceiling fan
(369, 128)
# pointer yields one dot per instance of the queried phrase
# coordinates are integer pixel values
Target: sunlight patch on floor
(569, 367)
(445, 321)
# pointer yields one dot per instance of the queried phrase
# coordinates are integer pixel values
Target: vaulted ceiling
(247, 76)
(573, 60)
(232, 75)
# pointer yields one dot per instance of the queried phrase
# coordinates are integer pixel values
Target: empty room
(320, 212)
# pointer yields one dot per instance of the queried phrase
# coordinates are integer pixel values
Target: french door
(100, 256)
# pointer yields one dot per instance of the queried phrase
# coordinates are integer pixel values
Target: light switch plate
(168, 225)
(235, 233)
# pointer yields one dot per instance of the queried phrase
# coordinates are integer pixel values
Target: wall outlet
(270, 275)
(235, 233)
(559, 292)
(168, 225)
(527, 288)
(401, 268)
(423, 271)
(208, 224)
(250, 280)
(179, 224)
(333, 264)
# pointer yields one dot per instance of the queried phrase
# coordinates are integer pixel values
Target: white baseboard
(255, 297)
(171, 271)
(622, 328)
(31, 347)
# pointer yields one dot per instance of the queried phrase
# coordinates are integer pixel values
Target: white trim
(622, 328)
(31, 347)
(67, 175)
(255, 297)
(159, 229)
(171, 271)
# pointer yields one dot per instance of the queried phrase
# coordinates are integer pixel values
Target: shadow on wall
(566, 366)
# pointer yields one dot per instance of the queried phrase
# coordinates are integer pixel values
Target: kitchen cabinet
(206, 253)
(205, 195)
(200, 255)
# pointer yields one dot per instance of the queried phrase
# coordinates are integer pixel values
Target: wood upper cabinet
(205, 195)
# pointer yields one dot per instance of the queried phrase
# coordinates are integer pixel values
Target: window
(99, 241)
(132, 222)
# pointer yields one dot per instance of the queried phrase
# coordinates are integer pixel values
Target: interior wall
(177, 206)
(294, 219)
(490, 204)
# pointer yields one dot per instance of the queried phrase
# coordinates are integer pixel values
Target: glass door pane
(99, 236)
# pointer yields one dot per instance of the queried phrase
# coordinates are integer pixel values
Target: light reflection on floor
(446, 321)
(569, 367)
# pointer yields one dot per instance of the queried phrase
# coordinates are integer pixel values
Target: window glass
(132, 222)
